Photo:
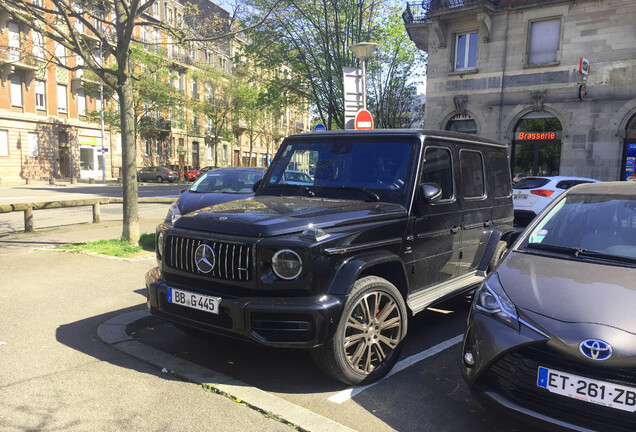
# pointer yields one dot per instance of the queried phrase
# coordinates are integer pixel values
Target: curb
(113, 333)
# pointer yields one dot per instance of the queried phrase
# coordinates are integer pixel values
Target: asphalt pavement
(56, 373)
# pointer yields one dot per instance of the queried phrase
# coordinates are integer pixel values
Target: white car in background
(530, 195)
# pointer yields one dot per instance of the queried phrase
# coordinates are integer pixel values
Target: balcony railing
(418, 12)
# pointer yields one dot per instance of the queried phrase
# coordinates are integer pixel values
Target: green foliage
(118, 248)
(311, 38)
(393, 73)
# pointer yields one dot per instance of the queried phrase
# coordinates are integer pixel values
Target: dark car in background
(552, 332)
(215, 187)
(158, 174)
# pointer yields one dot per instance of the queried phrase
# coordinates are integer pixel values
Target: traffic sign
(364, 120)
(320, 128)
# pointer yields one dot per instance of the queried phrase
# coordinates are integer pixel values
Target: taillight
(542, 192)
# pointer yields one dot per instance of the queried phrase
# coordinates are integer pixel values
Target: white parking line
(347, 394)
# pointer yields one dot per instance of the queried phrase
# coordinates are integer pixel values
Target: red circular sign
(364, 120)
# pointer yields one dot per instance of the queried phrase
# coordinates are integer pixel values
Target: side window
(472, 168)
(437, 168)
(499, 175)
(565, 184)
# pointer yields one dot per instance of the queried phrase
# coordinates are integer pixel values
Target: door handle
(454, 230)
(487, 223)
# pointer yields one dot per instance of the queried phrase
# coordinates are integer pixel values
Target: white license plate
(587, 389)
(194, 301)
(520, 197)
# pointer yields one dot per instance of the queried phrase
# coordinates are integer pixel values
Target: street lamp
(363, 50)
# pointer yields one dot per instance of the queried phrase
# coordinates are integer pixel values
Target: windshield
(344, 168)
(227, 181)
(595, 223)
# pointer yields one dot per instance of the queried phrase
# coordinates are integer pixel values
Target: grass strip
(117, 247)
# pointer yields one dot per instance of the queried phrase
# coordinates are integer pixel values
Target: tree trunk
(129, 162)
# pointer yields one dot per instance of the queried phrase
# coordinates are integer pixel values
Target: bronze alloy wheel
(368, 340)
(372, 331)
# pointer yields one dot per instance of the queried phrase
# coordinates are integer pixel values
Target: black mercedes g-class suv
(385, 224)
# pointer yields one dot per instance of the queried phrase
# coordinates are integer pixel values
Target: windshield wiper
(367, 192)
(308, 191)
(581, 252)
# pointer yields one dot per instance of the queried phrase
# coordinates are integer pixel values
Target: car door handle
(454, 230)
(487, 223)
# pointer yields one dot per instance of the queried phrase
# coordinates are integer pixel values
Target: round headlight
(287, 264)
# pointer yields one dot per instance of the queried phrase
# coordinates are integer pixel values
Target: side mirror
(182, 191)
(430, 192)
(257, 185)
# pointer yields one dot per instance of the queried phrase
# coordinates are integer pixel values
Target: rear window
(531, 183)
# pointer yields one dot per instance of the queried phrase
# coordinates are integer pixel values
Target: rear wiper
(581, 252)
(369, 193)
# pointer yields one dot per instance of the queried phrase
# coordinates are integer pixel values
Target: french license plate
(194, 301)
(587, 389)
(520, 197)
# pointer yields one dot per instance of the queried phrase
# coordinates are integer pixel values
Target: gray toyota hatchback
(552, 332)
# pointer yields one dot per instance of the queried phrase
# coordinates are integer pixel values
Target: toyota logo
(205, 258)
(596, 349)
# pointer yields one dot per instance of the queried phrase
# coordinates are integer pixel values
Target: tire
(360, 353)
(159, 179)
(500, 251)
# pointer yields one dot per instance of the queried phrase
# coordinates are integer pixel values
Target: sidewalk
(57, 374)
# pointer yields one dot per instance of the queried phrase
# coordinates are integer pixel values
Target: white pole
(101, 96)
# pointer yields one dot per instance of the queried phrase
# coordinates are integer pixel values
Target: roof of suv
(605, 188)
(406, 132)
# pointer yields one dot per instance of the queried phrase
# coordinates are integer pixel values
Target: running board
(422, 299)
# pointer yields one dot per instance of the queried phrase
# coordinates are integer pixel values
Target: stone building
(554, 79)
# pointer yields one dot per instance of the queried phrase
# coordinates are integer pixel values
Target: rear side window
(531, 183)
(437, 168)
(500, 175)
(472, 166)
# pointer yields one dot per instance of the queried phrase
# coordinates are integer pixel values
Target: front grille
(515, 377)
(284, 327)
(222, 319)
(233, 260)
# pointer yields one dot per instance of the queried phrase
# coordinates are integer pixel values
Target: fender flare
(495, 237)
(350, 270)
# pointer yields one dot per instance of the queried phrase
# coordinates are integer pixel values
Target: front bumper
(299, 322)
(504, 376)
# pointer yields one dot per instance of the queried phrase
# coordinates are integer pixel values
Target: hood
(191, 201)
(572, 291)
(266, 216)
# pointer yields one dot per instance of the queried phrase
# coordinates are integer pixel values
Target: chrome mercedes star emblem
(205, 258)
(596, 349)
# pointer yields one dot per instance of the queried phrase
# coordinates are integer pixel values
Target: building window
(40, 88)
(16, 90)
(147, 147)
(61, 98)
(118, 140)
(224, 152)
(60, 53)
(466, 51)
(14, 41)
(462, 123)
(33, 144)
(38, 45)
(158, 147)
(81, 102)
(544, 41)
(4, 143)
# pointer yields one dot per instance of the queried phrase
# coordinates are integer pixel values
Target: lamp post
(363, 50)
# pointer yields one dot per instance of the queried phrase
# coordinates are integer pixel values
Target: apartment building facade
(46, 130)
(554, 79)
